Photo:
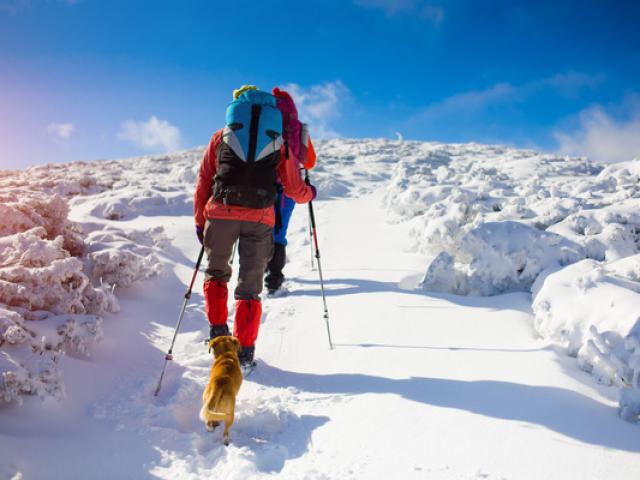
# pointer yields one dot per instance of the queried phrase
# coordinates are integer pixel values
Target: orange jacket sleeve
(311, 155)
(292, 183)
(205, 180)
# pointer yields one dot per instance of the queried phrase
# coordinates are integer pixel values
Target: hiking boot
(218, 331)
(275, 277)
(246, 357)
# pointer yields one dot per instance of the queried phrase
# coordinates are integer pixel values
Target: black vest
(247, 182)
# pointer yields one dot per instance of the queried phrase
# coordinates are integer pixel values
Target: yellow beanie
(242, 89)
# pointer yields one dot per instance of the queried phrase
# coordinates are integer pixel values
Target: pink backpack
(294, 133)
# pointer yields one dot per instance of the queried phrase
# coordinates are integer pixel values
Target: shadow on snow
(561, 410)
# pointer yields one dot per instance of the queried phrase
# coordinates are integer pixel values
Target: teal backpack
(249, 152)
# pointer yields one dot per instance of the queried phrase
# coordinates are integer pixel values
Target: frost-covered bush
(121, 268)
(55, 282)
(592, 309)
(39, 274)
(29, 371)
(498, 257)
(119, 258)
(48, 307)
(58, 277)
(24, 210)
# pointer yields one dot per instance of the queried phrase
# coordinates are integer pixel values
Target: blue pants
(286, 206)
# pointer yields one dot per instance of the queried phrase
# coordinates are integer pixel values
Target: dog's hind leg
(212, 425)
(227, 424)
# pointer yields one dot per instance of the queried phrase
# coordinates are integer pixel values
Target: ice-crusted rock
(498, 257)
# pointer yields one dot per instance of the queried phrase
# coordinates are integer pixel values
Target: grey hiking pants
(255, 248)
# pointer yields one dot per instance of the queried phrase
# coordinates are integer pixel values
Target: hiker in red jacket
(234, 200)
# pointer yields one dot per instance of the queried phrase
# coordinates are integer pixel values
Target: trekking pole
(187, 296)
(313, 267)
(315, 242)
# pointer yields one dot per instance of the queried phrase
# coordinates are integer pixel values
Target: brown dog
(219, 398)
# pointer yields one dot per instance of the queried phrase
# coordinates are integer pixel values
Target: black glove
(200, 234)
(313, 189)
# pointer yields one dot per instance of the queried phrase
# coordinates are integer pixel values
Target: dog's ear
(236, 342)
(213, 344)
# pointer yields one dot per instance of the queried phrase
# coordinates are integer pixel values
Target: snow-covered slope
(95, 258)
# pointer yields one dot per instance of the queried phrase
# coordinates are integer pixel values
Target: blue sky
(89, 79)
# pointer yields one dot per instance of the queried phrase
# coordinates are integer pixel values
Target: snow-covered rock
(498, 257)
(592, 309)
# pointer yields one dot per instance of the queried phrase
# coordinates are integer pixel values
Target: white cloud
(319, 105)
(470, 102)
(420, 8)
(153, 134)
(602, 137)
(13, 7)
(569, 84)
(61, 131)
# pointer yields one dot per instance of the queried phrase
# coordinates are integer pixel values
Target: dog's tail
(208, 415)
(216, 416)
(209, 412)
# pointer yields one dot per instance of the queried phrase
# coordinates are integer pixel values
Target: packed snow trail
(419, 385)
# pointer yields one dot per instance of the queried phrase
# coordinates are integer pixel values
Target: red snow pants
(255, 248)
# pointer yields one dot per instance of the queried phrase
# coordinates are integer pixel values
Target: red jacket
(204, 207)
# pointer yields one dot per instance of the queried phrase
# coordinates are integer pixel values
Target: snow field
(421, 384)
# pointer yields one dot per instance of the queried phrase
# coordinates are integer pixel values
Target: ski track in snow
(419, 385)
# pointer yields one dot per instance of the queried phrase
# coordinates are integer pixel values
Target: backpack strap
(253, 132)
